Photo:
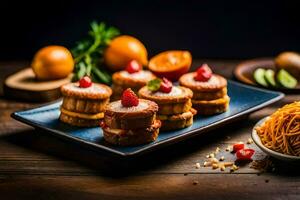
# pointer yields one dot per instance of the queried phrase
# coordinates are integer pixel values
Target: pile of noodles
(281, 131)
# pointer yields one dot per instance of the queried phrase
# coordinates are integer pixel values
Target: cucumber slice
(259, 76)
(270, 77)
(286, 80)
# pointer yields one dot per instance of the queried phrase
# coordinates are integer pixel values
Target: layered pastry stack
(209, 90)
(130, 121)
(132, 77)
(174, 102)
(84, 102)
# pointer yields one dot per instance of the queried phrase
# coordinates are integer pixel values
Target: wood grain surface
(35, 165)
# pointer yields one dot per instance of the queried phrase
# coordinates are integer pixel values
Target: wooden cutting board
(24, 86)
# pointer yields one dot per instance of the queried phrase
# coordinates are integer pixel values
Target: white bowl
(268, 151)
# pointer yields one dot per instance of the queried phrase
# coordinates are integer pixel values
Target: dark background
(209, 29)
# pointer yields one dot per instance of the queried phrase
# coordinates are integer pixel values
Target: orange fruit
(171, 64)
(124, 49)
(52, 62)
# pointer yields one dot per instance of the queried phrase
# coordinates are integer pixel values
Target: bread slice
(210, 95)
(215, 83)
(175, 108)
(84, 105)
(132, 137)
(135, 80)
(177, 95)
(79, 121)
(179, 121)
(211, 107)
(96, 91)
(119, 117)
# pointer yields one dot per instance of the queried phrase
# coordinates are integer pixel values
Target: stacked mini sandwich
(133, 77)
(130, 121)
(174, 102)
(84, 102)
(210, 90)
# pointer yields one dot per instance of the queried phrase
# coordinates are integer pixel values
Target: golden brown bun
(210, 95)
(84, 105)
(178, 121)
(130, 81)
(132, 137)
(175, 108)
(76, 121)
(95, 92)
(185, 95)
(211, 107)
(135, 119)
(215, 83)
(113, 110)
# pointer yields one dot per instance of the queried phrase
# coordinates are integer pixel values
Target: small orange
(171, 64)
(124, 49)
(52, 62)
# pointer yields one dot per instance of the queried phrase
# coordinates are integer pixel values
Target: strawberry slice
(129, 98)
(238, 146)
(133, 67)
(204, 73)
(85, 82)
(165, 86)
(245, 154)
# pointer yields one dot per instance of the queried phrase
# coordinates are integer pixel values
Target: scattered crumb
(215, 166)
(195, 182)
(228, 148)
(207, 156)
(197, 165)
(234, 168)
(217, 150)
(249, 141)
(211, 155)
(214, 160)
(206, 164)
(222, 168)
(228, 164)
(222, 158)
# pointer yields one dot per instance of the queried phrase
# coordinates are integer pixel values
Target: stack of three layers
(131, 125)
(209, 97)
(175, 108)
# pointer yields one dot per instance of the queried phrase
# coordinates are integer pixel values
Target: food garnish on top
(209, 90)
(120, 125)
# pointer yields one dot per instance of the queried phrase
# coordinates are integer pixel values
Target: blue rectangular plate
(244, 100)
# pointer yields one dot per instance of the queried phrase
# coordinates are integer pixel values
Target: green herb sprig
(154, 84)
(88, 53)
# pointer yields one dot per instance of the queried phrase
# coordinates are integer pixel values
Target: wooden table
(34, 165)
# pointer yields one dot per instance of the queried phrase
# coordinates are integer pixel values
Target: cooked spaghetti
(281, 131)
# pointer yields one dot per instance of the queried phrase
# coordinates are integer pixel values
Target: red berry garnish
(133, 67)
(245, 154)
(203, 73)
(85, 82)
(129, 98)
(165, 86)
(238, 146)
